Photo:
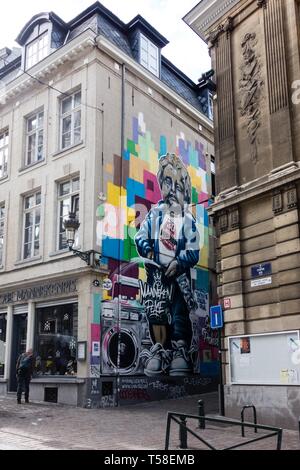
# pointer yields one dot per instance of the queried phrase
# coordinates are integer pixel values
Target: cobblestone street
(136, 427)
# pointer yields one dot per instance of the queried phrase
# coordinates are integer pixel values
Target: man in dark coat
(24, 367)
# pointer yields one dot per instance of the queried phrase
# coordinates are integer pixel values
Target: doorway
(18, 346)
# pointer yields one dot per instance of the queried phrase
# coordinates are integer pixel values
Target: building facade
(89, 111)
(255, 51)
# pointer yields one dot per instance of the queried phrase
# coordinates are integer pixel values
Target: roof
(103, 22)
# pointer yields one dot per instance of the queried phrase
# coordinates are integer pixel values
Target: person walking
(25, 366)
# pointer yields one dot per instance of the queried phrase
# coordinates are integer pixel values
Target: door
(18, 346)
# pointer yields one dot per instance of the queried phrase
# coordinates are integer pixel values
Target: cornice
(45, 69)
(206, 13)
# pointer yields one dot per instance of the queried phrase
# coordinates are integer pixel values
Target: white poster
(96, 349)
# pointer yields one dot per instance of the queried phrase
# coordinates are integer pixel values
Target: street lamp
(71, 225)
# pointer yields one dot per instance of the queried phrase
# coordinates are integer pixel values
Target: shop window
(56, 346)
(2, 342)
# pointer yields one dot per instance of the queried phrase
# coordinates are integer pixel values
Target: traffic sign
(216, 317)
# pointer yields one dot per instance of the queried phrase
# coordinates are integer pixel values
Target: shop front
(47, 322)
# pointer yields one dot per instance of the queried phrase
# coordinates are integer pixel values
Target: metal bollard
(183, 433)
(201, 414)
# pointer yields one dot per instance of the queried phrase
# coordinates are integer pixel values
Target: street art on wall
(154, 234)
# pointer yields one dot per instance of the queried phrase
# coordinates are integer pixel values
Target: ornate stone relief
(277, 202)
(250, 86)
(229, 219)
(227, 27)
(292, 199)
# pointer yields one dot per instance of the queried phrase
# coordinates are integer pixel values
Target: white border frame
(254, 336)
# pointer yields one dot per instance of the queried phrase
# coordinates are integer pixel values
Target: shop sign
(38, 292)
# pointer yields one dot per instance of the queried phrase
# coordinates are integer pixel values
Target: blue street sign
(216, 317)
(261, 270)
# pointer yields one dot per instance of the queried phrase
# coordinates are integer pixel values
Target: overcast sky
(186, 50)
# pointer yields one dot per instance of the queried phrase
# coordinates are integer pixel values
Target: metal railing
(252, 407)
(184, 431)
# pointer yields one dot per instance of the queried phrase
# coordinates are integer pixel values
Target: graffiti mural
(154, 233)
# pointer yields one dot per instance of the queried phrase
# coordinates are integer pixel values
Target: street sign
(261, 282)
(216, 317)
(227, 303)
(261, 270)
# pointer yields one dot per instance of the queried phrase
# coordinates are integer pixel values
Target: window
(35, 138)
(2, 221)
(56, 348)
(149, 55)
(2, 342)
(213, 177)
(32, 221)
(4, 139)
(210, 106)
(37, 50)
(68, 201)
(70, 111)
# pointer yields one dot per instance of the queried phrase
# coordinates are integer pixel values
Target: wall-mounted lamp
(71, 225)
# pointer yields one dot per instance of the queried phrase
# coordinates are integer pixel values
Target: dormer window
(149, 55)
(37, 50)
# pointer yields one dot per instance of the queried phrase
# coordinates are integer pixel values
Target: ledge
(60, 380)
(28, 261)
(27, 168)
(72, 148)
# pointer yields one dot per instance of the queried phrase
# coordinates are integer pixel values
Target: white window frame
(4, 135)
(37, 50)
(2, 232)
(39, 129)
(73, 195)
(149, 54)
(70, 114)
(35, 209)
(210, 106)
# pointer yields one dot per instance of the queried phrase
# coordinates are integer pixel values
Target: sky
(186, 50)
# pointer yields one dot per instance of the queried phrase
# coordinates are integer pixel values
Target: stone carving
(234, 218)
(277, 202)
(262, 3)
(250, 86)
(228, 25)
(223, 221)
(292, 200)
(214, 36)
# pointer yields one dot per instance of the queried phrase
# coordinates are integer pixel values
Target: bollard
(183, 433)
(299, 428)
(201, 413)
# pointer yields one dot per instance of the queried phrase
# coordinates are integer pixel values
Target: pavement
(41, 426)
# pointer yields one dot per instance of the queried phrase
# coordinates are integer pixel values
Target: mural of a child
(169, 239)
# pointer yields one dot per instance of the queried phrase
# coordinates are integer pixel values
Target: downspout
(119, 248)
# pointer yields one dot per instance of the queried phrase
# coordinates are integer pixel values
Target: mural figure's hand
(172, 269)
(150, 255)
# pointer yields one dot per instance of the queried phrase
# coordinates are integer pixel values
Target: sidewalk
(137, 427)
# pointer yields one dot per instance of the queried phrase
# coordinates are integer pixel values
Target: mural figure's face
(172, 187)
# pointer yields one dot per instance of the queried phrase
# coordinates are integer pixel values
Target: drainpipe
(119, 254)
